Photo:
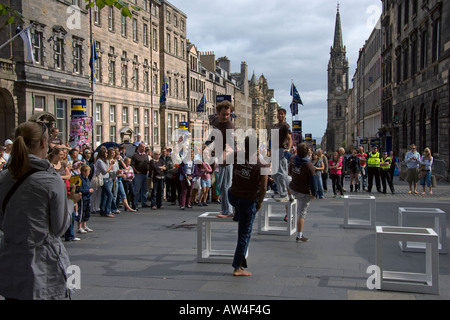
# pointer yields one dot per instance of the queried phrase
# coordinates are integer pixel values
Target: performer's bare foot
(241, 273)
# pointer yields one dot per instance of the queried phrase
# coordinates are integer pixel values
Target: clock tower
(337, 91)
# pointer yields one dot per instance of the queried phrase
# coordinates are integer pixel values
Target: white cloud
(284, 40)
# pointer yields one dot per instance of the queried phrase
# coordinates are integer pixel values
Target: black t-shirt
(246, 180)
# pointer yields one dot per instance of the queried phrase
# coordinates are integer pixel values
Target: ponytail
(27, 137)
(19, 163)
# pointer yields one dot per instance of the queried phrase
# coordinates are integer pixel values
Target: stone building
(416, 68)
(43, 90)
(335, 134)
(136, 55)
(264, 105)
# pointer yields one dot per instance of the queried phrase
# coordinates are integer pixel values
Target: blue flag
(92, 59)
(202, 106)
(164, 89)
(295, 95)
(296, 100)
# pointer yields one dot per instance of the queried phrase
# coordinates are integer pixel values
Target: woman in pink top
(335, 166)
(204, 172)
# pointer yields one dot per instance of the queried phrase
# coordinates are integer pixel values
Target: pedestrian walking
(302, 188)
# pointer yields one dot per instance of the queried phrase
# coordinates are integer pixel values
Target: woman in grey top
(33, 260)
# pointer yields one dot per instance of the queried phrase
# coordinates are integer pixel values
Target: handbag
(422, 171)
(97, 181)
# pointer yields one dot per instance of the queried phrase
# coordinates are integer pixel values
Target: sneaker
(204, 204)
(302, 239)
(81, 230)
(200, 204)
(88, 229)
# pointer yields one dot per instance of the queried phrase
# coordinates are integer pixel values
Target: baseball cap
(8, 141)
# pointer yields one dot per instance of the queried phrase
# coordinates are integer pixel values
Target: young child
(85, 203)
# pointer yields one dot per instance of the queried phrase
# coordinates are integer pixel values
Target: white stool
(440, 225)
(208, 254)
(264, 226)
(359, 223)
(427, 282)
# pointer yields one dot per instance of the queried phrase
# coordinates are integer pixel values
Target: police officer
(385, 172)
(373, 168)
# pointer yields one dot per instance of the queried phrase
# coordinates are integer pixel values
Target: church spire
(338, 42)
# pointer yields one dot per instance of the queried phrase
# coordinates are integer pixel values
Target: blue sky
(286, 40)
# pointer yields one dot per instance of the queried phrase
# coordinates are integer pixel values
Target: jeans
(281, 177)
(245, 215)
(107, 197)
(185, 194)
(224, 183)
(318, 185)
(140, 189)
(157, 192)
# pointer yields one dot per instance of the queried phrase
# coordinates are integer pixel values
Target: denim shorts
(205, 183)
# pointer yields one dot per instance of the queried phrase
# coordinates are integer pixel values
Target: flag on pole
(202, 106)
(296, 100)
(26, 37)
(164, 89)
(92, 59)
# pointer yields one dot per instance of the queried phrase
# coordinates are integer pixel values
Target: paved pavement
(152, 254)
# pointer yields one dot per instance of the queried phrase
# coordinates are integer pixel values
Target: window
(59, 45)
(123, 28)
(98, 112)
(112, 133)
(112, 113)
(424, 49)
(146, 117)
(77, 58)
(98, 64)
(405, 63)
(146, 81)
(125, 115)
(175, 46)
(135, 32)
(168, 45)
(96, 15)
(406, 12)
(135, 115)
(37, 47)
(98, 135)
(145, 34)
(155, 40)
(414, 54)
(111, 19)
(338, 111)
(155, 128)
(124, 70)
(169, 127)
(436, 40)
(61, 116)
(39, 103)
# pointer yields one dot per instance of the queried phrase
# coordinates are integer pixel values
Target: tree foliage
(121, 5)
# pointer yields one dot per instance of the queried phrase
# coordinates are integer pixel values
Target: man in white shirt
(412, 160)
(8, 147)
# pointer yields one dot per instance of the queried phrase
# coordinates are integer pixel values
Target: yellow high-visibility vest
(386, 166)
(373, 160)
